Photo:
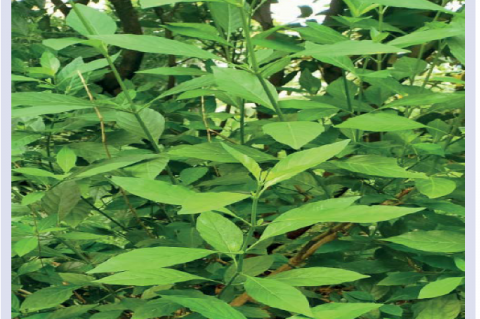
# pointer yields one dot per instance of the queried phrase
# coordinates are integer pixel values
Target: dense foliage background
(181, 159)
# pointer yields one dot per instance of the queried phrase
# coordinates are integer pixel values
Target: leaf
(377, 166)
(420, 37)
(152, 44)
(99, 22)
(157, 3)
(154, 309)
(61, 43)
(277, 294)
(25, 245)
(349, 47)
(343, 310)
(162, 276)
(320, 34)
(215, 152)
(153, 121)
(440, 287)
(45, 103)
(149, 169)
(410, 4)
(322, 212)
(457, 47)
(47, 298)
(208, 306)
(246, 161)
(380, 122)
(446, 307)
(197, 30)
(219, 232)
(317, 276)
(294, 134)
(66, 159)
(109, 165)
(150, 259)
(429, 99)
(302, 161)
(163, 192)
(245, 85)
(435, 187)
(401, 279)
(437, 241)
(34, 172)
(173, 71)
(61, 199)
(227, 16)
(192, 174)
(70, 312)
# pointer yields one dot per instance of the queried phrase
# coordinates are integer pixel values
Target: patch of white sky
(288, 11)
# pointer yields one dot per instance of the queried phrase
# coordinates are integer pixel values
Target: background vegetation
(181, 159)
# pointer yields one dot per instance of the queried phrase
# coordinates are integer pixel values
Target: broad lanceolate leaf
(380, 122)
(435, 187)
(294, 134)
(163, 192)
(99, 22)
(151, 258)
(157, 3)
(162, 276)
(440, 287)
(45, 103)
(348, 47)
(216, 153)
(109, 165)
(245, 85)
(437, 241)
(420, 37)
(226, 15)
(377, 166)
(343, 310)
(246, 161)
(154, 122)
(302, 161)
(317, 276)
(411, 4)
(173, 71)
(61, 199)
(66, 159)
(47, 298)
(278, 295)
(429, 99)
(446, 307)
(221, 233)
(207, 306)
(152, 44)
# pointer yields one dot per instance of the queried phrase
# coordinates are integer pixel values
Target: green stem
(254, 64)
(242, 122)
(380, 27)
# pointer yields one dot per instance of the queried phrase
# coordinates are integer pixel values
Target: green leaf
(61, 43)
(45, 103)
(208, 306)
(437, 241)
(61, 199)
(32, 198)
(153, 121)
(70, 312)
(157, 3)
(246, 161)
(196, 30)
(460, 263)
(99, 22)
(410, 4)
(226, 15)
(192, 174)
(150, 259)
(429, 99)
(154, 309)
(219, 232)
(109, 165)
(435, 187)
(149, 169)
(245, 85)
(380, 122)
(152, 44)
(278, 295)
(446, 307)
(377, 166)
(215, 152)
(440, 287)
(317, 276)
(302, 161)
(47, 298)
(420, 37)
(349, 47)
(162, 276)
(343, 310)
(294, 134)
(35, 172)
(173, 71)
(66, 159)
(305, 215)
(401, 279)
(320, 34)
(25, 245)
